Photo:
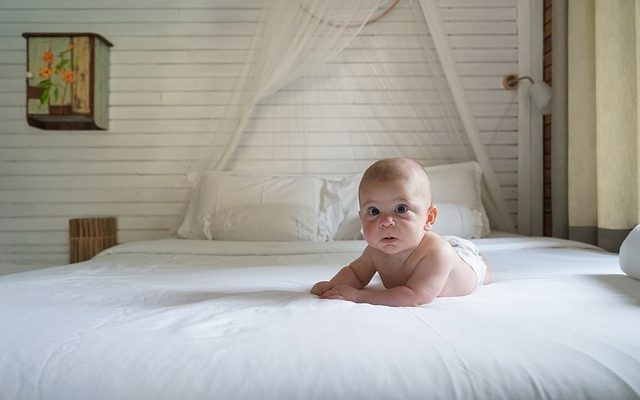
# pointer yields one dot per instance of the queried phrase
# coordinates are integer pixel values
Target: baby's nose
(387, 220)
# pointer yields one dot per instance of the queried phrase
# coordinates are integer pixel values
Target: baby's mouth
(387, 239)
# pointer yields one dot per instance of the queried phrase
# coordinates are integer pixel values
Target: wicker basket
(89, 236)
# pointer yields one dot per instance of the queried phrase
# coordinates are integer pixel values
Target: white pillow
(264, 222)
(339, 206)
(457, 220)
(459, 183)
(221, 191)
(630, 254)
(452, 183)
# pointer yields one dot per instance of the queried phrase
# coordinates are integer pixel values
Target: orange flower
(48, 57)
(64, 75)
(45, 72)
(68, 76)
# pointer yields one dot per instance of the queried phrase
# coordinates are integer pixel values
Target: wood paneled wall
(169, 82)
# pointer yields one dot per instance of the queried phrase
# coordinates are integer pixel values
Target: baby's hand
(342, 292)
(320, 288)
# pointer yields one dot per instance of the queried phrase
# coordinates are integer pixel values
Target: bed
(204, 318)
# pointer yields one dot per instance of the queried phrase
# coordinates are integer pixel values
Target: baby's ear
(432, 215)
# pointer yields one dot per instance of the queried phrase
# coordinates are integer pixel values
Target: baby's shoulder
(431, 248)
(434, 242)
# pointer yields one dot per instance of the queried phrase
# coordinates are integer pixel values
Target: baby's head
(395, 205)
(404, 171)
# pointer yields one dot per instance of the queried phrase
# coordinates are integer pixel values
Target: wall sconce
(540, 92)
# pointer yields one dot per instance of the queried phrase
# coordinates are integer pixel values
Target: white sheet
(186, 319)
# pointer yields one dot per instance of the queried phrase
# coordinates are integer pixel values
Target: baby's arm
(424, 285)
(356, 275)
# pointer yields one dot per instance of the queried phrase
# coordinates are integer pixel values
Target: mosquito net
(329, 86)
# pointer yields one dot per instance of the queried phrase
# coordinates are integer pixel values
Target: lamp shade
(540, 93)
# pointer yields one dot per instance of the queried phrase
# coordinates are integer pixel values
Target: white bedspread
(186, 319)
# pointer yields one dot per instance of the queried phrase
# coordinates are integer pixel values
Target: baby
(415, 264)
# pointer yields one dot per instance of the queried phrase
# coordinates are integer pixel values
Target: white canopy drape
(321, 81)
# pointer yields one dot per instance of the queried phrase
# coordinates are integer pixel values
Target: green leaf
(44, 96)
(56, 94)
(63, 63)
(45, 84)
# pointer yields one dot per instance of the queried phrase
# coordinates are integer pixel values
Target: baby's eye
(373, 211)
(401, 209)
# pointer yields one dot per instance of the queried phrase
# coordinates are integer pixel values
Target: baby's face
(393, 215)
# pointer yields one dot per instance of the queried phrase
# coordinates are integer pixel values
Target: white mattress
(186, 319)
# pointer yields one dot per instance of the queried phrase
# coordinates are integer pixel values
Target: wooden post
(89, 236)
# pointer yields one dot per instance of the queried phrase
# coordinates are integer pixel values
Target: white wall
(169, 78)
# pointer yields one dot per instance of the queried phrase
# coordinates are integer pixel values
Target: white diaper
(469, 254)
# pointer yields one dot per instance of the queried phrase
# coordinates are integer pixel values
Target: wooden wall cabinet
(67, 80)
